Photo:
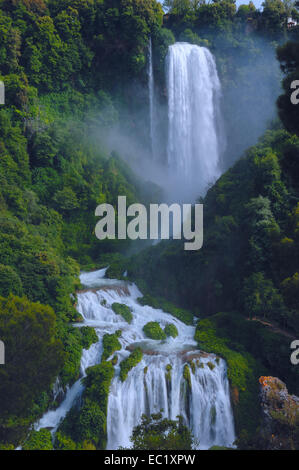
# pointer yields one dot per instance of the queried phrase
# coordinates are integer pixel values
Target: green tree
(34, 356)
(157, 433)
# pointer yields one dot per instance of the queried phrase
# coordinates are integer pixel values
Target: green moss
(154, 331)
(110, 345)
(127, 364)
(192, 366)
(168, 373)
(171, 330)
(187, 375)
(211, 365)
(124, 311)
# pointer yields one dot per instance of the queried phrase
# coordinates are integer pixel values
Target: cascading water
(195, 139)
(158, 381)
(151, 89)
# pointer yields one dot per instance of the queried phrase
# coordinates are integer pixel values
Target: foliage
(243, 372)
(27, 354)
(87, 426)
(70, 70)
(156, 433)
(63, 443)
(39, 440)
(10, 282)
(110, 345)
(124, 311)
(127, 364)
(154, 331)
(171, 330)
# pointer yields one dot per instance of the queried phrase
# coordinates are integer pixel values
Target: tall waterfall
(157, 382)
(194, 128)
(151, 90)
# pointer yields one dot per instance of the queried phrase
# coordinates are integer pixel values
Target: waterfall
(157, 382)
(151, 89)
(195, 139)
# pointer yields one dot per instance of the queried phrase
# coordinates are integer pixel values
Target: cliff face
(280, 415)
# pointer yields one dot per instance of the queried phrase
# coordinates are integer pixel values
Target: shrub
(154, 331)
(63, 442)
(156, 433)
(124, 311)
(92, 422)
(127, 364)
(89, 336)
(39, 440)
(110, 345)
(171, 330)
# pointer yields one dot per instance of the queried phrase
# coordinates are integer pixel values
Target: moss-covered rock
(154, 331)
(127, 364)
(124, 311)
(187, 375)
(110, 345)
(168, 373)
(192, 366)
(171, 330)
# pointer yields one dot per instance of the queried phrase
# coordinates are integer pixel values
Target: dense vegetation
(59, 81)
(73, 69)
(156, 433)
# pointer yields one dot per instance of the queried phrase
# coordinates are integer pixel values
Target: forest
(73, 71)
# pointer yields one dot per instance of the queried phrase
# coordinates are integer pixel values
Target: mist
(247, 108)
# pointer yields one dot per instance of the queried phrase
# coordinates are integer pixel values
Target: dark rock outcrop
(280, 415)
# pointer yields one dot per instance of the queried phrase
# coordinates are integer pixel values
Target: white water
(195, 140)
(206, 409)
(151, 90)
